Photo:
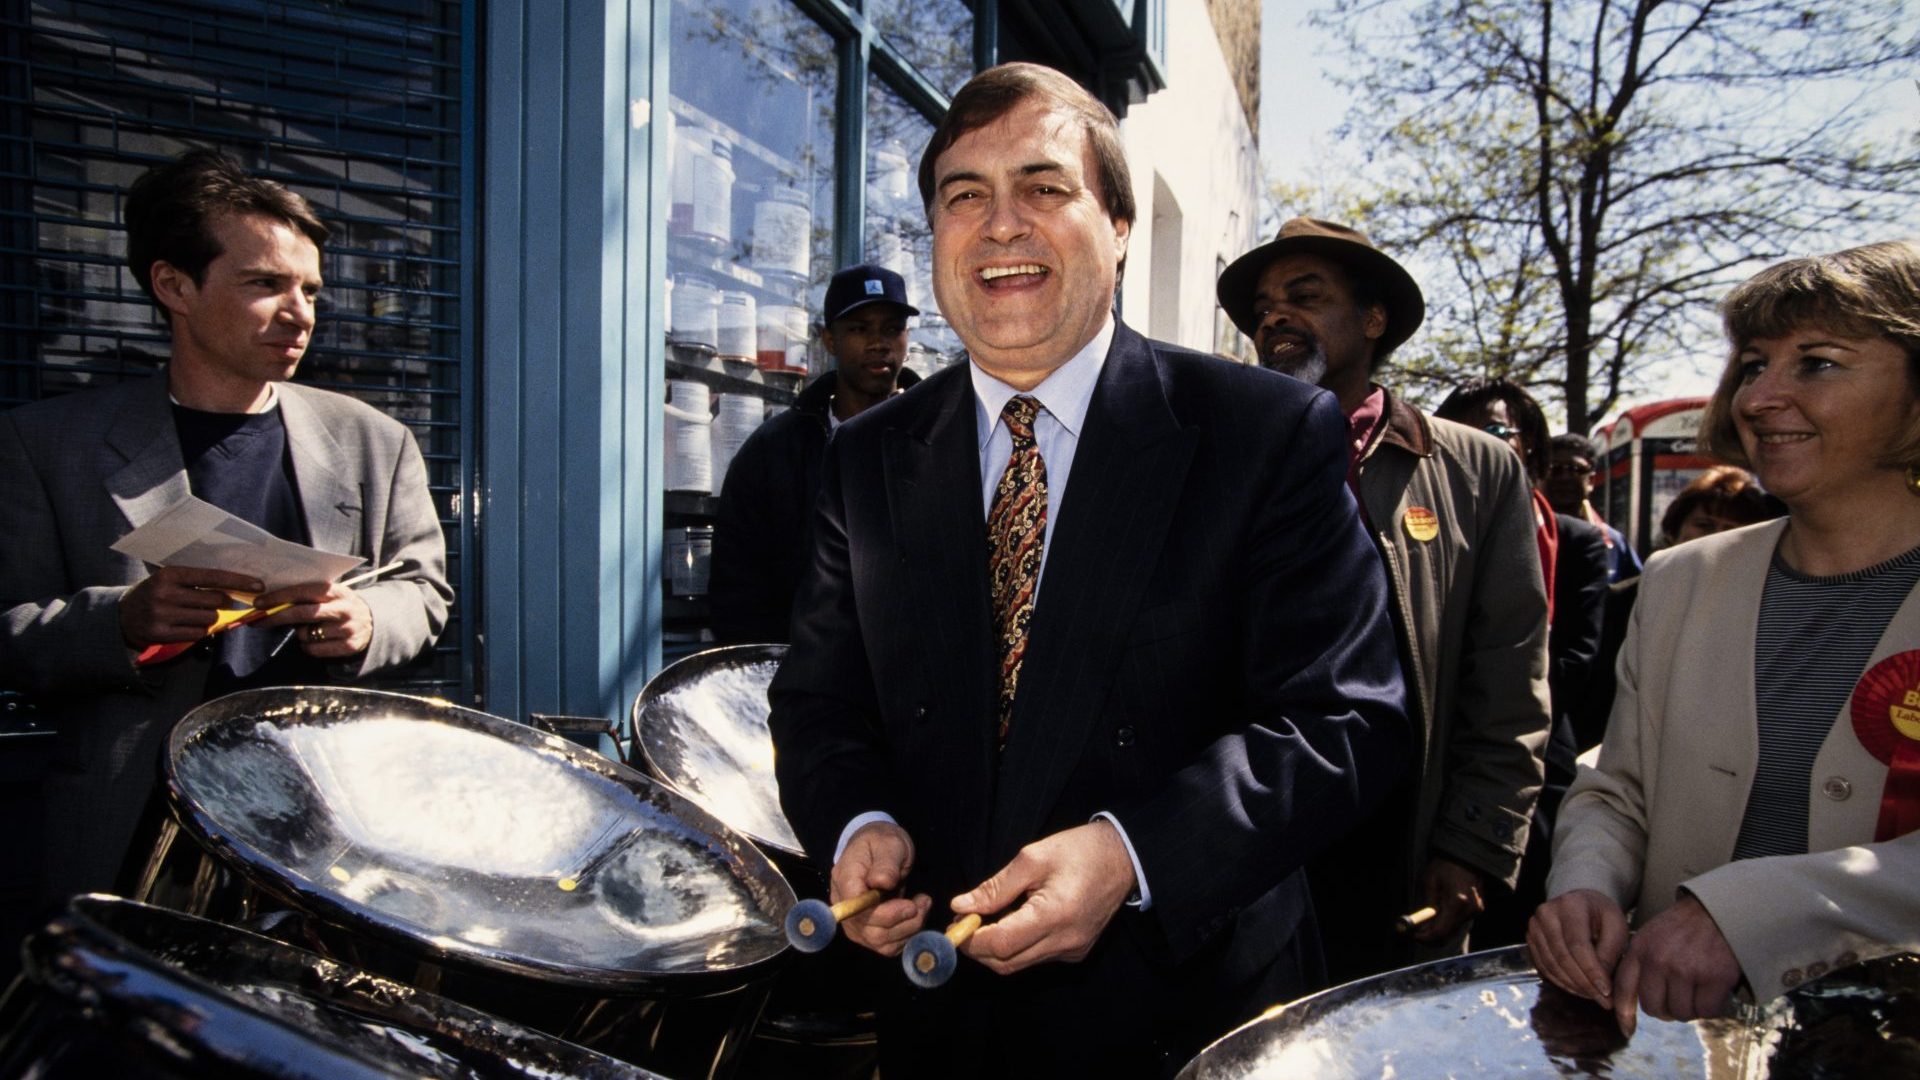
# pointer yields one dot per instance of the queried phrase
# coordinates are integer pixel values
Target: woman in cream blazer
(1822, 400)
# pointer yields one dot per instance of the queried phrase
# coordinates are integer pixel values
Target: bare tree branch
(1585, 178)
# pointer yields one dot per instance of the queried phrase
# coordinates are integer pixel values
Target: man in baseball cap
(1449, 508)
(759, 534)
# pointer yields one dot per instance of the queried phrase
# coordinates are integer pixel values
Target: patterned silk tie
(1016, 532)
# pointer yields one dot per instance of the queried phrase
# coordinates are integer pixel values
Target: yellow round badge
(1421, 523)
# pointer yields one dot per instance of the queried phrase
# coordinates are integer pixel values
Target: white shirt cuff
(1145, 900)
(854, 826)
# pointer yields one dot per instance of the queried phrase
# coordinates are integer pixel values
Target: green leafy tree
(1580, 180)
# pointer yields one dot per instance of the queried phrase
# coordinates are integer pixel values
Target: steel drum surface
(118, 984)
(1489, 1015)
(701, 725)
(474, 839)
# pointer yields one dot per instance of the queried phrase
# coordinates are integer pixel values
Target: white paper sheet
(199, 534)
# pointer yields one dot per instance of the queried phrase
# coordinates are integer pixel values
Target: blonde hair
(1863, 292)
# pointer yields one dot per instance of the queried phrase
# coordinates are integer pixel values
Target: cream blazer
(1661, 810)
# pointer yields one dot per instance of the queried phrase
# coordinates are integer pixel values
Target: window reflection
(750, 226)
(935, 36)
(752, 91)
(897, 236)
(750, 145)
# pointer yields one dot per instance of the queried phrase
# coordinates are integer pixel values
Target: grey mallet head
(929, 959)
(811, 925)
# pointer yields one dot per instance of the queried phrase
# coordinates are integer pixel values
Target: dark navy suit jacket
(1210, 660)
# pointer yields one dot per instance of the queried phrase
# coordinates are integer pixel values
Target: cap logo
(876, 288)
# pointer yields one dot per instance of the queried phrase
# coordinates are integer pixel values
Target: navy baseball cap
(858, 286)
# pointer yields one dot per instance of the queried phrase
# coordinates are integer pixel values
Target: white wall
(1194, 140)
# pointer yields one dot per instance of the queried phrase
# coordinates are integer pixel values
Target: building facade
(579, 243)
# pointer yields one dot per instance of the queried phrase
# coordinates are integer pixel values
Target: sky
(1299, 108)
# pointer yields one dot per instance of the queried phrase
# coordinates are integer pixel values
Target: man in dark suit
(1117, 723)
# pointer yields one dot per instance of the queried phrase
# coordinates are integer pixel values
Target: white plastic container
(735, 417)
(694, 318)
(739, 326)
(712, 179)
(689, 437)
(783, 232)
(772, 339)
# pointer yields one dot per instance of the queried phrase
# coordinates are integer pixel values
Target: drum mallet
(1412, 920)
(931, 955)
(811, 923)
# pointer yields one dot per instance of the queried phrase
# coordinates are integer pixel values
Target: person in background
(1504, 410)
(1450, 510)
(759, 535)
(1569, 485)
(1577, 585)
(1721, 498)
(232, 262)
(1753, 803)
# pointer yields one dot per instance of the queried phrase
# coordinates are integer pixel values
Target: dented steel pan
(115, 987)
(1488, 1014)
(509, 868)
(701, 725)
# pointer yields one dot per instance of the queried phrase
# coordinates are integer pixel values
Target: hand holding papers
(195, 534)
(242, 613)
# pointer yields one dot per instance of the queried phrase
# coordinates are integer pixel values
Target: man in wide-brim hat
(1450, 510)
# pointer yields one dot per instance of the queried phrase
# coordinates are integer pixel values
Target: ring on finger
(316, 632)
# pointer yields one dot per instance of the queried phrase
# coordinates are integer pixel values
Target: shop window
(750, 249)
(936, 36)
(897, 236)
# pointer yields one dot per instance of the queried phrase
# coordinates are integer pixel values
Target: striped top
(1815, 637)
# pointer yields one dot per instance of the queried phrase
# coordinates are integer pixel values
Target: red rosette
(1886, 719)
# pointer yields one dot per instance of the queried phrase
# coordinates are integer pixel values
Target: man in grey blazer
(233, 262)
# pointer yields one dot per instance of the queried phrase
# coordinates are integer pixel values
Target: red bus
(1646, 456)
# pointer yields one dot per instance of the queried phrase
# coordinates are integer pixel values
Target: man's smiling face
(1309, 324)
(1025, 255)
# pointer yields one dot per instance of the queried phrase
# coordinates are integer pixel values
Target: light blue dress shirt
(1064, 396)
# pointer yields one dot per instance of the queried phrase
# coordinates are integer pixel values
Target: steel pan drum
(1489, 1014)
(508, 868)
(115, 987)
(701, 727)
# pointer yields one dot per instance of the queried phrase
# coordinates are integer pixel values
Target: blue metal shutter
(356, 104)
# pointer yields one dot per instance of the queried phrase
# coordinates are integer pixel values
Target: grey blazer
(80, 471)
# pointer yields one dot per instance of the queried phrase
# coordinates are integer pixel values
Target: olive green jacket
(1470, 606)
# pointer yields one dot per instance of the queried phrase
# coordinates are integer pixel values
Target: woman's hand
(1679, 967)
(1577, 939)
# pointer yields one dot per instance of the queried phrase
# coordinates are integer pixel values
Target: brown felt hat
(1348, 247)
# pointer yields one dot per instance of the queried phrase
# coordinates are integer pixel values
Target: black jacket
(1210, 659)
(759, 538)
